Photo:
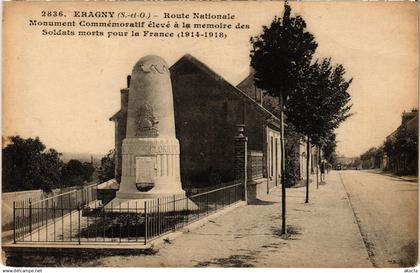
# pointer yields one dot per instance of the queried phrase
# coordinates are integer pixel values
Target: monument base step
(164, 205)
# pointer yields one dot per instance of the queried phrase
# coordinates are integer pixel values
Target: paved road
(386, 209)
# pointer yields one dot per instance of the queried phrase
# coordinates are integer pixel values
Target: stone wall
(9, 197)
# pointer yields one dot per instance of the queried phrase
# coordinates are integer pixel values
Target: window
(277, 164)
(272, 156)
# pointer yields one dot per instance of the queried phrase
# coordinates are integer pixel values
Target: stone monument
(150, 150)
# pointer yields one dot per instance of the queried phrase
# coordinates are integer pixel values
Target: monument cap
(151, 63)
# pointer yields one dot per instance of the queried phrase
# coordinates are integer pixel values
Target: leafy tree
(328, 149)
(50, 166)
(407, 144)
(88, 170)
(378, 156)
(292, 143)
(356, 163)
(107, 169)
(372, 158)
(279, 56)
(402, 151)
(76, 173)
(27, 165)
(319, 104)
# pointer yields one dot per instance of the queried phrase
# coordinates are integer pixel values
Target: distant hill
(83, 157)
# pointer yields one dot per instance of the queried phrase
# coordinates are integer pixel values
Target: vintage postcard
(210, 134)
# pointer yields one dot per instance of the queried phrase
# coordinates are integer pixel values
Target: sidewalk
(407, 178)
(323, 233)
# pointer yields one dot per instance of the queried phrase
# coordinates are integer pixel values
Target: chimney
(124, 99)
(124, 96)
(128, 81)
(406, 116)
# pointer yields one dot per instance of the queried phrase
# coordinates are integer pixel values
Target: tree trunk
(307, 169)
(317, 167)
(283, 169)
(321, 178)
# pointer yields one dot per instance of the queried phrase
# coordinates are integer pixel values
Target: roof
(198, 64)
(115, 116)
(246, 83)
(248, 86)
(111, 184)
(411, 124)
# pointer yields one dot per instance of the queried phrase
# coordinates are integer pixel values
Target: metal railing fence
(31, 216)
(168, 214)
(81, 218)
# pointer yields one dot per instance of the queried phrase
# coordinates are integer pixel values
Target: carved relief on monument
(151, 147)
(146, 122)
(151, 67)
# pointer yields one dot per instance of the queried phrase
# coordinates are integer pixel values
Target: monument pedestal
(150, 170)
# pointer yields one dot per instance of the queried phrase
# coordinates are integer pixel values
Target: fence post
(137, 219)
(96, 192)
(241, 158)
(14, 222)
(187, 211)
(78, 210)
(46, 221)
(83, 196)
(145, 222)
(174, 223)
(30, 218)
(207, 204)
(158, 216)
(23, 223)
(128, 221)
(54, 213)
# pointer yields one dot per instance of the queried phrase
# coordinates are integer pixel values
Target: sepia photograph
(176, 134)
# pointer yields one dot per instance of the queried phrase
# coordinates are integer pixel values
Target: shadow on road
(408, 256)
(292, 232)
(259, 202)
(231, 261)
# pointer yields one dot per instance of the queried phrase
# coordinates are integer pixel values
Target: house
(403, 161)
(207, 111)
(271, 104)
(315, 157)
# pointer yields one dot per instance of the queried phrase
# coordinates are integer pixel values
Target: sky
(64, 89)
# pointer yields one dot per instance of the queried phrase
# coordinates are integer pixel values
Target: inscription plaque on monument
(145, 172)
